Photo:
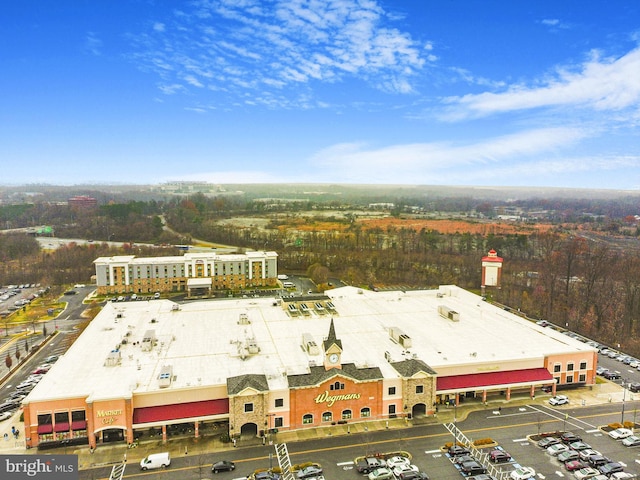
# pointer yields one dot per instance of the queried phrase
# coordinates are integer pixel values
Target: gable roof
(408, 368)
(319, 374)
(235, 385)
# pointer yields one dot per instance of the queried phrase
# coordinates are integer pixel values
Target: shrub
(483, 441)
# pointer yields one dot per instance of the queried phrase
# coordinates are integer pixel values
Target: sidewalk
(109, 454)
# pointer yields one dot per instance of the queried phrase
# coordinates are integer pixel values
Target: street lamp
(624, 392)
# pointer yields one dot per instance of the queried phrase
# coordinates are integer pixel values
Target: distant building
(82, 202)
(194, 273)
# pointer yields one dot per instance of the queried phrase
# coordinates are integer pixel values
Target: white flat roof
(205, 343)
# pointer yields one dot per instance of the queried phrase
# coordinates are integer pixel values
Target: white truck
(155, 460)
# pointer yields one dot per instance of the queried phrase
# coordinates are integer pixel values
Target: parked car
(631, 441)
(404, 469)
(610, 468)
(588, 452)
(597, 460)
(567, 456)
(635, 386)
(482, 476)
(223, 466)
(557, 449)
(523, 473)
(499, 456)
(559, 400)
(585, 473)
(609, 375)
(546, 442)
(455, 450)
(414, 476)
(397, 460)
(569, 437)
(620, 433)
(381, 473)
(369, 464)
(574, 465)
(579, 446)
(472, 468)
(5, 416)
(309, 471)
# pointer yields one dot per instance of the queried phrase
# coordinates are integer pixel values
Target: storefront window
(307, 419)
(365, 412)
(327, 416)
(346, 414)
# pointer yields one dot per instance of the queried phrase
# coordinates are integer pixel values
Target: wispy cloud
(422, 160)
(255, 48)
(92, 44)
(597, 84)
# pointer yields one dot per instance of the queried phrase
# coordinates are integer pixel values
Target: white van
(288, 284)
(155, 460)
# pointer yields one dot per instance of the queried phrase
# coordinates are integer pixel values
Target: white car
(397, 461)
(620, 433)
(5, 416)
(585, 473)
(631, 441)
(401, 470)
(558, 448)
(523, 473)
(559, 400)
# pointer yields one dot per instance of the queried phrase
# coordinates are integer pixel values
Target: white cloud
(246, 45)
(409, 158)
(93, 44)
(597, 84)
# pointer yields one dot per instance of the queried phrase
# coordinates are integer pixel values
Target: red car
(574, 465)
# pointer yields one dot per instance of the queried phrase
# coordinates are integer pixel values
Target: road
(509, 428)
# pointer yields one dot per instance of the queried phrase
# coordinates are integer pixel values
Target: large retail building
(256, 364)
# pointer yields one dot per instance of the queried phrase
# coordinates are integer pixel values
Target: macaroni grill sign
(329, 399)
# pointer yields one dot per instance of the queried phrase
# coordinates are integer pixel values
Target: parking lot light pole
(624, 392)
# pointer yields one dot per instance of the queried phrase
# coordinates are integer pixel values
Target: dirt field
(457, 226)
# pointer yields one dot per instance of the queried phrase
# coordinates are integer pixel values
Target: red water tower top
(492, 257)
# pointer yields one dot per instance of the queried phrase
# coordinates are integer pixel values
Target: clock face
(333, 358)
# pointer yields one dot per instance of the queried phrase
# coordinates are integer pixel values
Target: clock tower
(332, 349)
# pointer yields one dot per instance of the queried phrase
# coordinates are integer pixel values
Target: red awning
(48, 428)
(79, 425)
(177, 411)
(61, 427)
(484, 380)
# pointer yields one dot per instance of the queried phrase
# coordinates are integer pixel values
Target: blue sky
(430, 92)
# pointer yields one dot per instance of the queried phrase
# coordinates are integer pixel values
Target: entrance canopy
(494, 380)
(199, 283)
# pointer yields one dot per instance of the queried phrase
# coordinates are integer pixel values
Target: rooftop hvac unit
(244, 319)
(404, 340)
(387, 357)
(148, 340)
(446, 312)
(113, 358)
(399, 336)
(165, 377)
(309, 344)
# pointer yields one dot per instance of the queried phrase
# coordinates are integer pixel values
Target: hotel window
(392, 390)
(279, 402)
(569, 378)
(327, 416)
(346, 414)
(556, 368)
(365, 412)
(392, 411)
(582, 378)
(248, 407)
(419, 389)
(278, 422)
(570, 367)
(557, 380)
(307, 419)
(583, 365)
